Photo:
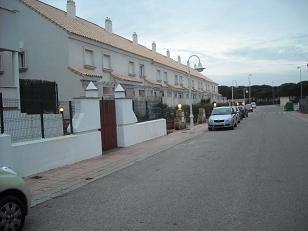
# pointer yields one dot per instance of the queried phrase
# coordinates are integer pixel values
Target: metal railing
(37, 122)
(146, 109)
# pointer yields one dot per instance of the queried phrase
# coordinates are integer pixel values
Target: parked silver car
(14, 200)
(222, 117)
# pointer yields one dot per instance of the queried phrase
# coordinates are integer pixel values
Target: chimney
(71, 8)
(179, 59)
(135, 38)
(154, 46)
(108, 25)
(168, 53)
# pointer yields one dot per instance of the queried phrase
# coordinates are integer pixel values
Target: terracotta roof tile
(174, 86)
(125, 78)
(86, 72)
(94, 32)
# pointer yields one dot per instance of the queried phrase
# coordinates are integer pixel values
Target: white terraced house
(41, 42)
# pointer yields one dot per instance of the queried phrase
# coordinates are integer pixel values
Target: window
(181, 80)
(141, 71)
(142, 93)
(130, 93)
(169, 94)
(192, 83)
(131, 68)
(150, 92)
(22, 61)
(165, 77)
(88, 58)
(175, 95)
(176, 80)
(158, 75)
(106, 62)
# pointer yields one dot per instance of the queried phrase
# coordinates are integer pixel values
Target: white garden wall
(139, 132)
(32, 157)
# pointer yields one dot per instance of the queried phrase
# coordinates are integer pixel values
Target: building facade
(39, 41)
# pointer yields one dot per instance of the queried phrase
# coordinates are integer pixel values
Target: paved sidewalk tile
(55, 182)
(300, 114)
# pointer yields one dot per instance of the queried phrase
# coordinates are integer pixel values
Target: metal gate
(108, 124)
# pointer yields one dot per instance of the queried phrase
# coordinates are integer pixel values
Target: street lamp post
(232, 91)
(249, 100)
(199, 68)
(245, 91)
(273, 92)
(300, 80)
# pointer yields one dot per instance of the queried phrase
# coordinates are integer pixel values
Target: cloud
(291, 53)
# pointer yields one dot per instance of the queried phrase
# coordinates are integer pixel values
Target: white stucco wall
(283, 101)
(136, 133)
(32, 157)
(88, 116)
(8, 26)
(46, 47)
(6, 78)
(124, 112)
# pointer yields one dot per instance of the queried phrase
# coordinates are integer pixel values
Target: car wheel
(12, 213)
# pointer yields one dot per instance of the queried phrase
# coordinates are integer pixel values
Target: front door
(108, 124)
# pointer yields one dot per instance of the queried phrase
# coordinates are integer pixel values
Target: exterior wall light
(180, 106)
(215, 104)
(61, 110)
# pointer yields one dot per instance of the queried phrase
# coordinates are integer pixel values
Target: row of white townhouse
(41, 42)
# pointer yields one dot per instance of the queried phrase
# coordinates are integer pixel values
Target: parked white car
(222, 117)
(253, 104)
(15, 200)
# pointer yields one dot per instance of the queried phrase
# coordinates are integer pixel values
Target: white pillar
(15, 72)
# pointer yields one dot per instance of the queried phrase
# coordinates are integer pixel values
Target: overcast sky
(265, 38)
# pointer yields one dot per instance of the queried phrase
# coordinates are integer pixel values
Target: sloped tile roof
(174, 86)
(81, 27)
(125, 78)
(85, 72)
(151, 82)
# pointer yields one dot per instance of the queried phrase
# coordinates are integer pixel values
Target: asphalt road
(252, 178)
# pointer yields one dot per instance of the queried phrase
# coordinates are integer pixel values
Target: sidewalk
(55, 182)
(301, 115)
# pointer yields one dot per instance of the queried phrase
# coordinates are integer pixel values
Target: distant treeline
(265, 93)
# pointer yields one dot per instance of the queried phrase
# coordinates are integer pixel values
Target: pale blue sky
(266, 38)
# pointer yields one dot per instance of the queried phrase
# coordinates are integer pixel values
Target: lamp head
(215, 104)
(61, 109)
(180, 106)
(199, 68)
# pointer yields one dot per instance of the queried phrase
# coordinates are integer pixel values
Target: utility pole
(300, 79)
(273, 93)
(232, 91)
(249, 88)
